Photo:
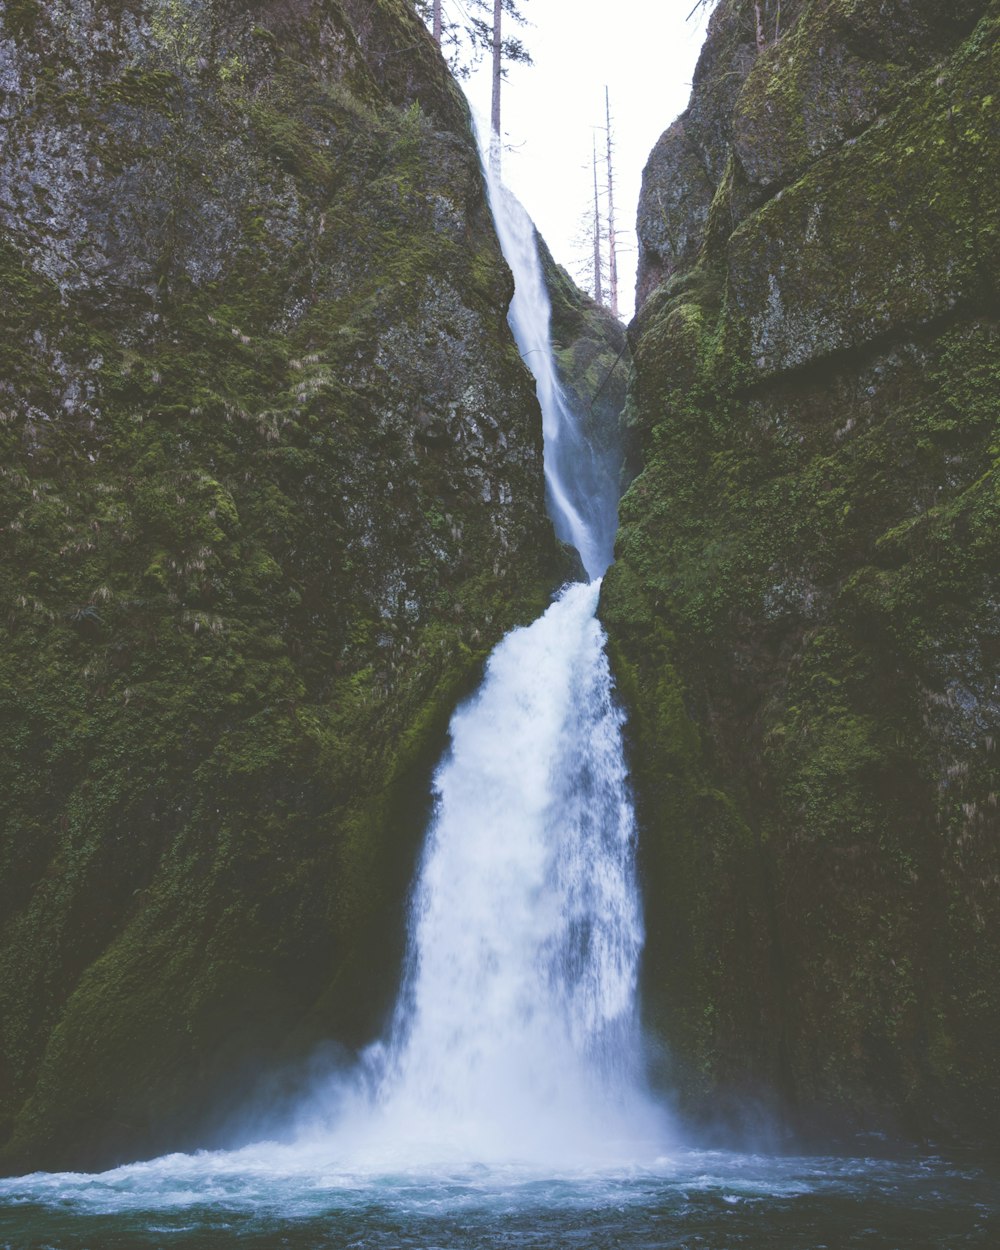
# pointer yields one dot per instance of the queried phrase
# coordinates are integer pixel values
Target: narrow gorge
(474, 774)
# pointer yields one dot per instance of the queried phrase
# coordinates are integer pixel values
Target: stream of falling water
(516, 1034)
(582, 497)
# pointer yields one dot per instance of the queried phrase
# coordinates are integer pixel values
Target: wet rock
(673, 210)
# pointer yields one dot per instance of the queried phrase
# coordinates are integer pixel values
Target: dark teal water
(263, 1198)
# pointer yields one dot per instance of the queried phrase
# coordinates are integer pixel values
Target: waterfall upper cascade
(581, 497)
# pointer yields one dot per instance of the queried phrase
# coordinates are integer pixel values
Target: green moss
(21, 17)
(920, 240)
(803, 612)
(155, 89)
(814, 87)
(240, 597)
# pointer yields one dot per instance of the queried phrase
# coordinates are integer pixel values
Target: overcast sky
(645, 52)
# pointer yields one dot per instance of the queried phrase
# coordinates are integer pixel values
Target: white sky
(645, 52)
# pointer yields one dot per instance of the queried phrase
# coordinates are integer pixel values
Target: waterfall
(516, 1031)
(518, 1011)
(581, 496)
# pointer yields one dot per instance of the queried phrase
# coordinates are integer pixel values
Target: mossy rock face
(924, 237)
(837, 68)
(803, 613)
(593, 363)
(673, 209)
(271, 487)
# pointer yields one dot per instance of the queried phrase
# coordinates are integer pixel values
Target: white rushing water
(581, 496)
(516, 1034)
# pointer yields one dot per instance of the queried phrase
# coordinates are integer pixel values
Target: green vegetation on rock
(260, 416)
(593, 362)
(804, 609)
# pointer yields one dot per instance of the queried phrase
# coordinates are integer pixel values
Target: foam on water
(271, 1183)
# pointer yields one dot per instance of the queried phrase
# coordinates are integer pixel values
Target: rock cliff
(805, 611)
(271, 487)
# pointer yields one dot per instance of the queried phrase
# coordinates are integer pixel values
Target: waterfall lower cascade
(516, 1033)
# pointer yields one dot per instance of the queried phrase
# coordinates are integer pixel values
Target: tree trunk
(761, 41)
(598, 283)
(497, 75)
(497, 66)
(612, 245)
(437, 22)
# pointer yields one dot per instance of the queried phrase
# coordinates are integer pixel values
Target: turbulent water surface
(273, 1196)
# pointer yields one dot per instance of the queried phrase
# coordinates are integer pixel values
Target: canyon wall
(271, 488)
(805, 608)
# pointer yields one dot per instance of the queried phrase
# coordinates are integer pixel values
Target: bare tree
(599, 238)
(612, 238)
(598, 275)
